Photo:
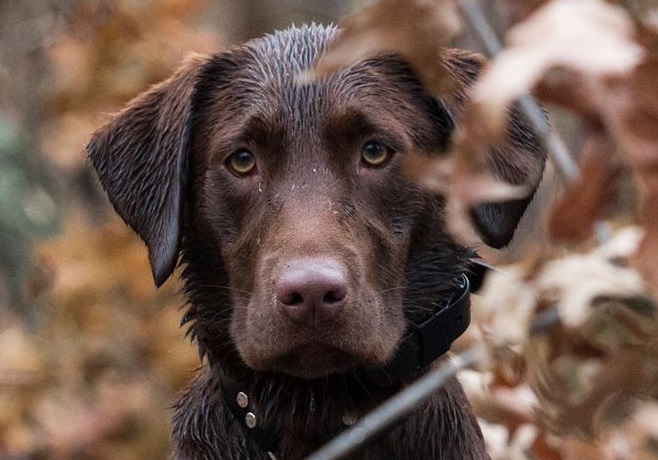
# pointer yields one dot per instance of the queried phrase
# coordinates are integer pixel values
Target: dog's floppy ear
(141, 160)
(519, 160)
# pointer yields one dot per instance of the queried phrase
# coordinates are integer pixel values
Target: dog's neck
(250, 401)
(270, 409)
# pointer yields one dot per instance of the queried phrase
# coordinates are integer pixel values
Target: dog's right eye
(241, 162)
(375, 154)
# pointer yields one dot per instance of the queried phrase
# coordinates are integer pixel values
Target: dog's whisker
(392, 289)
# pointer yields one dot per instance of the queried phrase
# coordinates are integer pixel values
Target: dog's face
(306, 248)
(300, 187)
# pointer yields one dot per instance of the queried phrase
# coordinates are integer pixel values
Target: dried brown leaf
(638, 438)
(519, 10)
(573, 448)
(645, 257)
(509, 326)
(465, 182)
(629, 105)
(560, 34)
(416, 29)
(585, 201)
(582, 395)
(588, 368)
(579, 279)
(503, 445)
(511, 407)
(584, 368)
(630, 108)
(571, 90)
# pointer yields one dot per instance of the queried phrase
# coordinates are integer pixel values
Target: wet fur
(162, 163)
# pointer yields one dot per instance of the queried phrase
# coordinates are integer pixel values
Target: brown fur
(311, 203)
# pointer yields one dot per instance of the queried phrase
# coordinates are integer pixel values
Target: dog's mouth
(319, 353)
(313, 360)
(311, 353)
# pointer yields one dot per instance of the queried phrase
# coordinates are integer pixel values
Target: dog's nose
(311, 291)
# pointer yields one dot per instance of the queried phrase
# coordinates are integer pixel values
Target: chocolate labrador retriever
(310, 263)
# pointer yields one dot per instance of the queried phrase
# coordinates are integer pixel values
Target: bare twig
(399, 406)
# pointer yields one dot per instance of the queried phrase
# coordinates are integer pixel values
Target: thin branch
(396, 408)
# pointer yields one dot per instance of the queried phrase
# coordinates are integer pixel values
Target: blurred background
(91, 355)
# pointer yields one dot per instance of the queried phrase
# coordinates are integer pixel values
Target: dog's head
(305, 248)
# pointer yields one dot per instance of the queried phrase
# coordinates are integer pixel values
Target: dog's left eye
(241, 162)
(375, 154)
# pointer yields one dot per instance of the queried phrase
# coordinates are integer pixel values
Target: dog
(307, 254)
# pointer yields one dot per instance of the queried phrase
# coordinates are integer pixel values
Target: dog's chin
(312, 361)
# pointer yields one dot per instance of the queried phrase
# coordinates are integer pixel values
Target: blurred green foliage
(28, 208)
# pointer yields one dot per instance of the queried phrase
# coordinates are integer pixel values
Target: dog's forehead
(258, 92)
(281, 57)
(276, 72)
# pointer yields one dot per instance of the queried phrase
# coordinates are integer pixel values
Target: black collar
(426, 342)
(418, 348)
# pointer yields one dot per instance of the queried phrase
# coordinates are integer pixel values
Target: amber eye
(375, 153)
(241, 162)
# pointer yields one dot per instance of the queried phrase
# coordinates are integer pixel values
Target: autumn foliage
(92, 364)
